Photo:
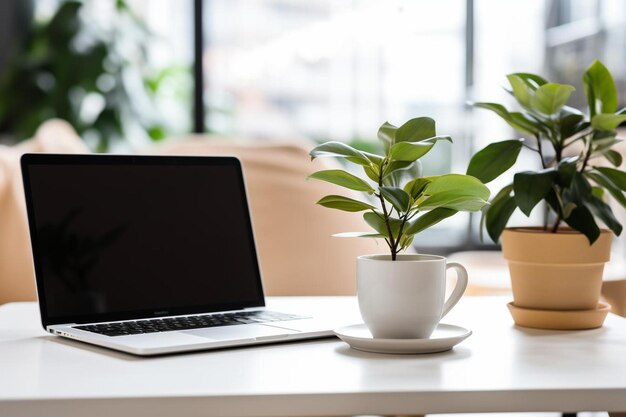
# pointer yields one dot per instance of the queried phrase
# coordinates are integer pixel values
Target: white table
(499, 368)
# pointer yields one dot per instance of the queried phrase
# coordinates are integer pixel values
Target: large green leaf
(457, 183)
(533, 81)
(531, 187)
(387, 135)
(608, 185)
(453, 201)
(566, 170)
(613, 157)
(498, 213)
(490, 162)
(582, 220)
(581, 217)
(455, 191)
(516, 120)
(600, 89)
(416, 187)
(570, 123)
(602, 211)
(342, 178)
(397, 197)
(406, 241)
(340, 150)
(607, 122)
(521, 90)
(376, 221)
(411, 151)
(372, 172)
(344, 203)
(616, 176)
(429, 219)
(416, 129)
(601, 145)
(551, 97)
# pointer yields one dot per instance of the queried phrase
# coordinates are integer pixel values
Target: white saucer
(445, 337)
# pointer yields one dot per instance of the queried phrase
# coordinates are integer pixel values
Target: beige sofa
(297, 254)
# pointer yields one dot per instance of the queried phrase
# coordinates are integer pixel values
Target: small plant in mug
(405, 202)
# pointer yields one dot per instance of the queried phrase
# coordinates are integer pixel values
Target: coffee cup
(405, 298)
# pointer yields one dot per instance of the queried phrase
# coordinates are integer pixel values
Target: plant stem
(400, 231)
(540, 151)
(393, 244)
(587, 156)
(555, 228)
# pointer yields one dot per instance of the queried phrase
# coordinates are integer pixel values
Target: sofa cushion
(16, 266)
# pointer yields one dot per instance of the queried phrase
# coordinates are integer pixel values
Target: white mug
(404, 299)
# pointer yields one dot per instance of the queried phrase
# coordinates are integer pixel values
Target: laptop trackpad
(246, 331)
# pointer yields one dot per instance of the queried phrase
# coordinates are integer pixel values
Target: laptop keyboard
(186, 323)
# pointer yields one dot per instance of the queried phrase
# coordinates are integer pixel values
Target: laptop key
(185, 323)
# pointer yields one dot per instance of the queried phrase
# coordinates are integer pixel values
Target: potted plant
(559, 265)
(401, 295)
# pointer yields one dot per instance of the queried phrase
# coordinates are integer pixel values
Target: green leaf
(408, 151)
(566, 170)
(521, 90)
(344, 203)
(498, 213)
(375, 159)
(600, 89)
(613, 157)
(416, 187)
(429, 219)
(397, 197)
(399, 172)
(416, 129)
(603, 144)
(387, 135)
(455, 191)
(411, 151)
(598, 192)
(603, 212)
(340, 150)
(570, 123)
(533, 81)
(457, 183)
(607, 122)
(516, 120)
(453, 201)
(359, 234)
(342, 178)
(490, 162)
(582, 220)
(372, 172)
(405, 241)
(376, 221)
(531, 187)
(607, 184)
(550, 97)
(616, 176)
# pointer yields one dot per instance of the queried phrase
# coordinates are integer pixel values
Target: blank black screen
(142, 237)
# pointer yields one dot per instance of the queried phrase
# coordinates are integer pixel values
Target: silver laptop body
(150, 254)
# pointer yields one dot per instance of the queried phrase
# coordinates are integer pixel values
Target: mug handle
(459, 288)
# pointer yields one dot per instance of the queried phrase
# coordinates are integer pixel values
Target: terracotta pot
(555, 271)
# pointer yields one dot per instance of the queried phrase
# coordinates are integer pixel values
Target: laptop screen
(121, 237)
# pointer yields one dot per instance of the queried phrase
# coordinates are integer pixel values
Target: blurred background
(127, 73)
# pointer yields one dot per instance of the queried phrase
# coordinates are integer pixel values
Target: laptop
(150, 254)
